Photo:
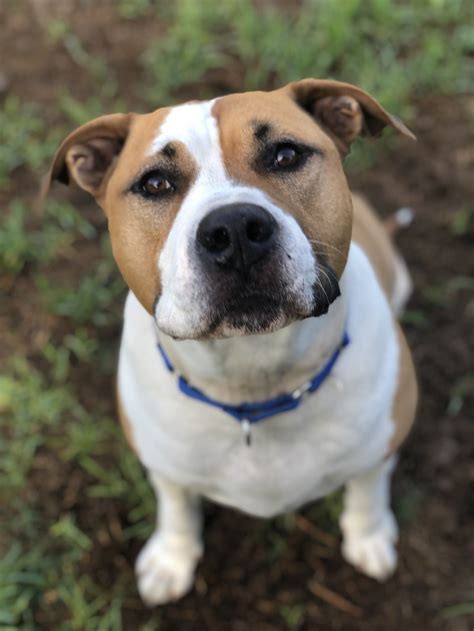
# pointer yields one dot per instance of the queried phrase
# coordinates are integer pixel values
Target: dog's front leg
(368, 525)
(165, 567)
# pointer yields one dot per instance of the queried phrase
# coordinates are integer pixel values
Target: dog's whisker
(326, 245)
(322, 288)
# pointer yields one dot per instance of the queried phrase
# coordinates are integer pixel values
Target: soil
(248, 578)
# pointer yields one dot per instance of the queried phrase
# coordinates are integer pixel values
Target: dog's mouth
(251, 314)
(251, 311)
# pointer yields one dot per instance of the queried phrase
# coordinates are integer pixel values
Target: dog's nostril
(258, 231)
(217, 240)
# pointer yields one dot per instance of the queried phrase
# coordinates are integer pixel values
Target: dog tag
(247, 431)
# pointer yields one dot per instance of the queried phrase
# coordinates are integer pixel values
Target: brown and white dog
(249, 260)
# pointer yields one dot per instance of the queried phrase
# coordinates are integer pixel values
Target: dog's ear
(344, 110)
(88, 154)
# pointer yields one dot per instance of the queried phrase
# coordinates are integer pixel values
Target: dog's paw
(372, 552)
(165, 569)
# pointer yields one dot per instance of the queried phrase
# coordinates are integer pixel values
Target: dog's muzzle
(245, 269)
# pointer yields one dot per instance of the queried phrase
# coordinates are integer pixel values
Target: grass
(24, 140)
(393, 50)
(397, 50)
(23, 244)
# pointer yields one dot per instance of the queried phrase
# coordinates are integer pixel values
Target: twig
(307, 526)
(335, 600)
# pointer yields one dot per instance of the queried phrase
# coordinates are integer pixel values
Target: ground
(76, 507)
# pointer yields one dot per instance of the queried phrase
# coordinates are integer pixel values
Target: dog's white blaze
(194, 125)
(181, 278)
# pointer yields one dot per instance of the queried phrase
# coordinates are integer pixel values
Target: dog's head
(230, 216)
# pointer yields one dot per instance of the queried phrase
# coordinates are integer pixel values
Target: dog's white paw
(165, 569)
(372, 552)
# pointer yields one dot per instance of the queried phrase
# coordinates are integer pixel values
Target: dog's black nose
(236, 236)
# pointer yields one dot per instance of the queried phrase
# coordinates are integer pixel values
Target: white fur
(182, 280)
(369, 527)
(332, 438)
(165, 566)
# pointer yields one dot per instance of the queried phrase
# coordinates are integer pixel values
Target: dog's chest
(295, 457)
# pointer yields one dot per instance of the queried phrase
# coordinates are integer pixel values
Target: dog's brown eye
(286, 156)
(156, 184)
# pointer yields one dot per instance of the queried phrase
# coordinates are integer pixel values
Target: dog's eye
(286, 156)
(154, 184)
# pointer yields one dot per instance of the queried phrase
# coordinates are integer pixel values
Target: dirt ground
(239, 584)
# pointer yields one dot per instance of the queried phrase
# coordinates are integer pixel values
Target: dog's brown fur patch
(406, 397)
(369, 232)
(139, 227)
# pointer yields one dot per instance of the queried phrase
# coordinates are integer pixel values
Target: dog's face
(230, 216)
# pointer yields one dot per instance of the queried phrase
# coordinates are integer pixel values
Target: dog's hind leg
(368, 524)
(165, 567)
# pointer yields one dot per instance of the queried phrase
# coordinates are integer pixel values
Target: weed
(24, 140)
(325, 513)
(408, 502)
(416, 318)
(461, 221)
(80, 112)
(441, 294)
(94, 301)
(93, 64)
(67, 529)
(21, 583)
(292, 616)
(460, 609)
(38, 409)
(131, 9)
(21, 245)
(458, 394)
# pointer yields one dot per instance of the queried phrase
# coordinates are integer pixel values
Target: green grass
(399, 51)
(24, 138)
(26, 239)
(395, 50)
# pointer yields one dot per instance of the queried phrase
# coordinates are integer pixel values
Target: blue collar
(249, 413)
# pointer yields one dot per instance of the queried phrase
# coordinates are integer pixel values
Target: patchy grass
(22, 244)
(24, 138)
(353, 40)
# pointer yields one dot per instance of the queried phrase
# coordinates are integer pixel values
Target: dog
(261, 363)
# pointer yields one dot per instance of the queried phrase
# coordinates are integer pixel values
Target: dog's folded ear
(343, 110)
(88, 154)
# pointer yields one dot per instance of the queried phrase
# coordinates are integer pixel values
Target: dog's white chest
(295, 457)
